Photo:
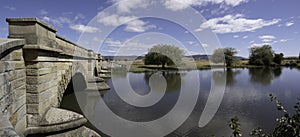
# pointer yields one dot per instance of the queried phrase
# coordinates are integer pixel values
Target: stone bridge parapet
(36, 66)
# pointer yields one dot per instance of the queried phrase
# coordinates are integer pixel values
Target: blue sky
(240, 24)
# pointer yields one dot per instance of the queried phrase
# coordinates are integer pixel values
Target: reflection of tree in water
(264, 75)
(230, 75)
(173, 80)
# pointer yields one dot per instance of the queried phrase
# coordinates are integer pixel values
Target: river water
(246, 95)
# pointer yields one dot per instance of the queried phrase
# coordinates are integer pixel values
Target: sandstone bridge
(36, 68)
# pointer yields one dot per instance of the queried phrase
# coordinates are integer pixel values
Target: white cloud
(82, 28)
(205, 45)
(235, 23)
(114, 19)
(10, 8)
(283, 40)
(191, 42)
(125, 6)
(176, 5)
(138, 26)
(236, 36)
(66, 19)
(133, 24)
(58, 21)
(258, 45)
(267, 38)
(288, 24)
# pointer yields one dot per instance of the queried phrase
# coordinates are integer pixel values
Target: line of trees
(259, 56)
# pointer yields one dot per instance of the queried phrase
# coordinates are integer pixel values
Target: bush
(287, 126)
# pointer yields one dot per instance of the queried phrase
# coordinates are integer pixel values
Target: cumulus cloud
(125, 6)
(176, 5)
(138, 26)
(113, 19)
(82, 28)
(133, 24)
(235, 23)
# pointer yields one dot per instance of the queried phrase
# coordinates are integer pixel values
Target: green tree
(163, 54)
(222, 54)
(261, 55)
(218, 56)
(278, 58)
(229, 55)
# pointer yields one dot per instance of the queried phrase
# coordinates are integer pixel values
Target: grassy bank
(138, 66)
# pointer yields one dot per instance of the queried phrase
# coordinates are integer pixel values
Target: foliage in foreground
(287, 126)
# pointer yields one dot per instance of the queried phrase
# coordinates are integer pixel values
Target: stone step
(105, 76)
(97, 86)
(96, 80)
(104, 71)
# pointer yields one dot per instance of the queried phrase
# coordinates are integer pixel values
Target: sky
(132, 27)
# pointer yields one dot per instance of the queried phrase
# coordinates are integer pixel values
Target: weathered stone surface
(97, 86)
(6, 129)
(80, 132)
(35, 71)
(96, 80)
(56, 116)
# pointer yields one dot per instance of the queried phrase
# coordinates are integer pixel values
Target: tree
(163, 54)
(278, 58)
(218, 56)
(224, 53)
(261, 55)
(229, 55)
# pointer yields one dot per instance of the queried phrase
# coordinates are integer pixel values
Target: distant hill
(207, 57)
(131, 58)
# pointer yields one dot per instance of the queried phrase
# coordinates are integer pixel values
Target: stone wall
(12, 84)
(35, 69)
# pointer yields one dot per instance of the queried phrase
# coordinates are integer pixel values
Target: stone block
(3, 78)
(19, 92)
(39, 72)
(11, 65)
(32, 108)
(18, 103)
(41, 79)
(38, 65)
(32, 98)
(20, 127)
(33, 119)
(37, 88)
(18, 83)
(16, 74)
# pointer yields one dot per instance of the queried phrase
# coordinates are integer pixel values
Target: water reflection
(264, 75)
(173, 80)
(230, 76)
(244, 97)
